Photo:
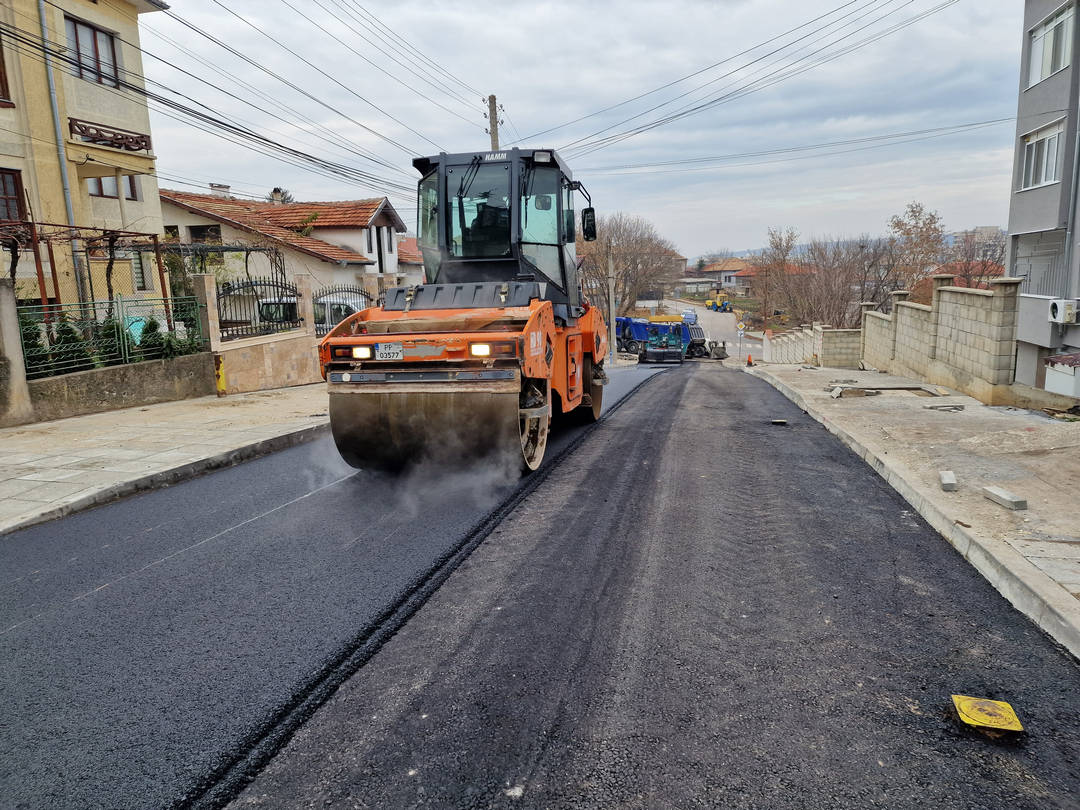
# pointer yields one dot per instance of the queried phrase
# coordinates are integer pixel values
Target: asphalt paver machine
(499, 340)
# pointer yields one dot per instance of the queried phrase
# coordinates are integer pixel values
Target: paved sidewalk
(51, 469)
(1031, 556)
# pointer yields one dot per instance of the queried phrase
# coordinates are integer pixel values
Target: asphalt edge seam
(175, 475)
(225, 783)
(1028, 589)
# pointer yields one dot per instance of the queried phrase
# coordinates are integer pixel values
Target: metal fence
(335, 303)
(257, 306)
(58, 339)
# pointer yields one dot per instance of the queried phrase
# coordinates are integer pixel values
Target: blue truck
(633, 335)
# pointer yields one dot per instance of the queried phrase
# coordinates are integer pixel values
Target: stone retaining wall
(818, 345)
(965, 340)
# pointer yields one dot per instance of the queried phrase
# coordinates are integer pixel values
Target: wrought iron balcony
(103, 135)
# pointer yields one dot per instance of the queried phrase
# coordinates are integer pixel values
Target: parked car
(330, 310)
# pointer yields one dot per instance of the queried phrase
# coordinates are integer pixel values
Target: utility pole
(611, 308)
(493, 123)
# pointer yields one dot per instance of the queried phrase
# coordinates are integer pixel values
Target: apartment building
(75, 144)
(1043, 211)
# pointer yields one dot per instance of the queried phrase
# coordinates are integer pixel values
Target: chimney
(275, 196)
(219, 189)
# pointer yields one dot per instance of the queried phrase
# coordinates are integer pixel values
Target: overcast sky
(552, 62)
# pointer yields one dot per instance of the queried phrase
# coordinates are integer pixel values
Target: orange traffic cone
(749, 360)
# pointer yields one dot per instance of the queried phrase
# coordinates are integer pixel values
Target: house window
(369, 247)
(206, 234)
(389, 240)
(5, 93)
(138, 270)
(94, 50)
(11, 196)
(1051, 46)
(172, 232)
(106, 187)
(1042, 157)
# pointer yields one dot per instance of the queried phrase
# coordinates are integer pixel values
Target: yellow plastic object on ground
(985, 713)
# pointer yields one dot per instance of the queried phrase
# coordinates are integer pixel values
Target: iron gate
(335, 303)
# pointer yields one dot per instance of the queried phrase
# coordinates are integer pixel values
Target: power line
(415, 69)
(766, 81)
(369, 61)
(858, 14)
(874, 142)
(282, 79)
(435, 65)
(358, 150)
(338, 82)
(687, 76)
(201, 119)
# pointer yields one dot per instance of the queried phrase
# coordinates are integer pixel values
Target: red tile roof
(789, 269)
(278, 221)
(409, 252)
(725, 266)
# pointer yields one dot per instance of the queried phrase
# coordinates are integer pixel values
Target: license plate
(389, 351)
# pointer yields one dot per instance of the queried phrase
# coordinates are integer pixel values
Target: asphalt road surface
(720, 326)
(153, 649)
(626, 638)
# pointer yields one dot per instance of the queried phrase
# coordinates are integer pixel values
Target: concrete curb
(175, 475)
(1027, 588)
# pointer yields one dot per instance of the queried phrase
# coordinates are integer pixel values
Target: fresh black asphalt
(693, 607)
(698, 608)
(146, 644)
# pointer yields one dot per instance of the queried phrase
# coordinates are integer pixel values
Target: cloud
(551, 62)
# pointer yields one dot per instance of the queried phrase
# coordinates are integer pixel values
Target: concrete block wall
(912, 337)
(817, 344)
(965, 340)
(841, 348)
(976, 332)
(877, 339)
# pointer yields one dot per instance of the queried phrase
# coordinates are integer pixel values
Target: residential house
(1043, 210)
(101, 173)
(723, 272)
(410, 261)
(347, 242)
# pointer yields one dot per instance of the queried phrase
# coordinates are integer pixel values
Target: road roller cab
(477, 361)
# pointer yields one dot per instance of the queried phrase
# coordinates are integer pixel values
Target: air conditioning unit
(1063, 310)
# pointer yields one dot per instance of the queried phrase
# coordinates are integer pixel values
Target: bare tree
(773, 264)
(920, 242)
(642, 258)
(975, 262)
(832, 277)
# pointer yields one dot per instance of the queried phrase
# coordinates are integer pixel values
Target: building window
(1051, 46)
(369, 247)
(11, 195)
(389, 240)
(94, 50)
(106, 187)
(205, 234)
(5, 93)
(1042, 157)
(172, 232)
(138, 271)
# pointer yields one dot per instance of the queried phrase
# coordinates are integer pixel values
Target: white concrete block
(1002, 496)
